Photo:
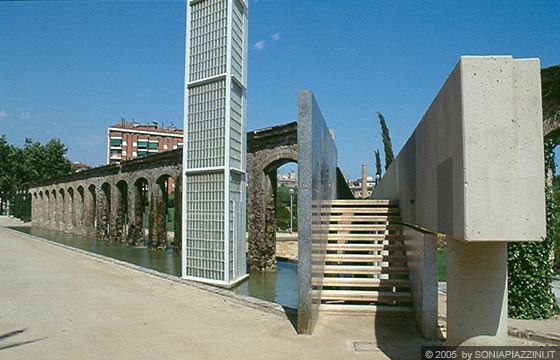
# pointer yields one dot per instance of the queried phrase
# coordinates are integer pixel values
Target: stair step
(363, 218)
(363, 247)
(360, 270)
(378, 310)
(366, 258)
(369, 203)
(361, 282)
(363, 227)
(365, 237)
(364, 295)
(360, 210)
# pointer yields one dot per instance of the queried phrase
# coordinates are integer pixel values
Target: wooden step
(361, 282)
(364, 258)
(363, 218)
(363, 247)
(364, 295)
(364, 237)
(360, 210)
(361, 270)
(361, 203)
(363, 227)
(378, 310)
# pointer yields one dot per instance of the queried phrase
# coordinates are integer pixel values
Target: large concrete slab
(474, 168)
(316, 184)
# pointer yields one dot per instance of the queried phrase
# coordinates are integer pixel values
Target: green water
(280, 287)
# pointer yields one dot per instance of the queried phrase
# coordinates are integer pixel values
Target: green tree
(32, 162)
(386, 138)
(6, 171)
(377, 163)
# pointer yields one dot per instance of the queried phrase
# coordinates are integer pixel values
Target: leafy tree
(32, 162)
(377, 163)
(387, 145)
(6, 171)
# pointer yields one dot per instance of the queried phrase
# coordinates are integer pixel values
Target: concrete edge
(244, 300)
(545, 338)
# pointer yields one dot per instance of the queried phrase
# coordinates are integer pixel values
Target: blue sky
(70, 69)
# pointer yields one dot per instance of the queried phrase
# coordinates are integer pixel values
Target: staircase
(365, 268)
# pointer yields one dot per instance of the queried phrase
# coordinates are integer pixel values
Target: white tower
(214, 175)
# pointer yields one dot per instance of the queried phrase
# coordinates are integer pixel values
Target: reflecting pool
(280, 287)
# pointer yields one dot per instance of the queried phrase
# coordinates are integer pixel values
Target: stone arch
(159, 197)
(69, 210)
(34, 205)
(119, 211)
(52, 210)
(141, 201)
(40, 209)
(268, 149)
(90, 210)
(79, 216)
(178, 222)
(61, 209)
(103, 211)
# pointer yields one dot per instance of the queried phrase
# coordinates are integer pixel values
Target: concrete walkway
(61, 303)
(57, 303)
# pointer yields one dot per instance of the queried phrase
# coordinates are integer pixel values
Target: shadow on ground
(11, 334)
(399, 337)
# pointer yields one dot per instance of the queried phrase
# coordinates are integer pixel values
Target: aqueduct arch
(110, 202)
(267, 150)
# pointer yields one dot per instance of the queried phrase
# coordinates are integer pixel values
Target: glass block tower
(214, 150)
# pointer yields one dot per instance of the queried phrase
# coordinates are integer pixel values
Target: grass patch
(442, 264)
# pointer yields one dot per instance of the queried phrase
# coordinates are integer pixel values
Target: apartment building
(127, 141)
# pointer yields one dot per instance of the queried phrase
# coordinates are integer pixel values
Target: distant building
(288, 180)
(129, 141)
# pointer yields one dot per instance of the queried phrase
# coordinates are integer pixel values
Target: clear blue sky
(70, 69)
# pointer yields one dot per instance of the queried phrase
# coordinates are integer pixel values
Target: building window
(134, 154)
(164, 146)
(135, 144)
(124, 153)
(124, 143)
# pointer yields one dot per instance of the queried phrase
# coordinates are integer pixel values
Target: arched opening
(104, 212)
(61, 207)
(41, 210)
(52, 211)
(161, 219)
(141, 208)
(265, 206)
(70, 218)
(177, 214)
(121, 215)
(90, 210)
(79, 216)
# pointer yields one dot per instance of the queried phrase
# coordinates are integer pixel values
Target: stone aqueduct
(109, 202)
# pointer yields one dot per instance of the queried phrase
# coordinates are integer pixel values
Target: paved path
(59, 304)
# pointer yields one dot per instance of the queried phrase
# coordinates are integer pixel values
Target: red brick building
(129, 141)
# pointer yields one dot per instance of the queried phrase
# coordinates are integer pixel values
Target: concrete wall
(316, 184)
(479, 142)
(474, 170)
(421, 254)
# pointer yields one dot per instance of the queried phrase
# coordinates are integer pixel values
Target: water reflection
(280, 287)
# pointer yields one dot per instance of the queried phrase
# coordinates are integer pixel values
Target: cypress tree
(387, 146)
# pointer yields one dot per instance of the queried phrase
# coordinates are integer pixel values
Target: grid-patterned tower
(214, 151)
